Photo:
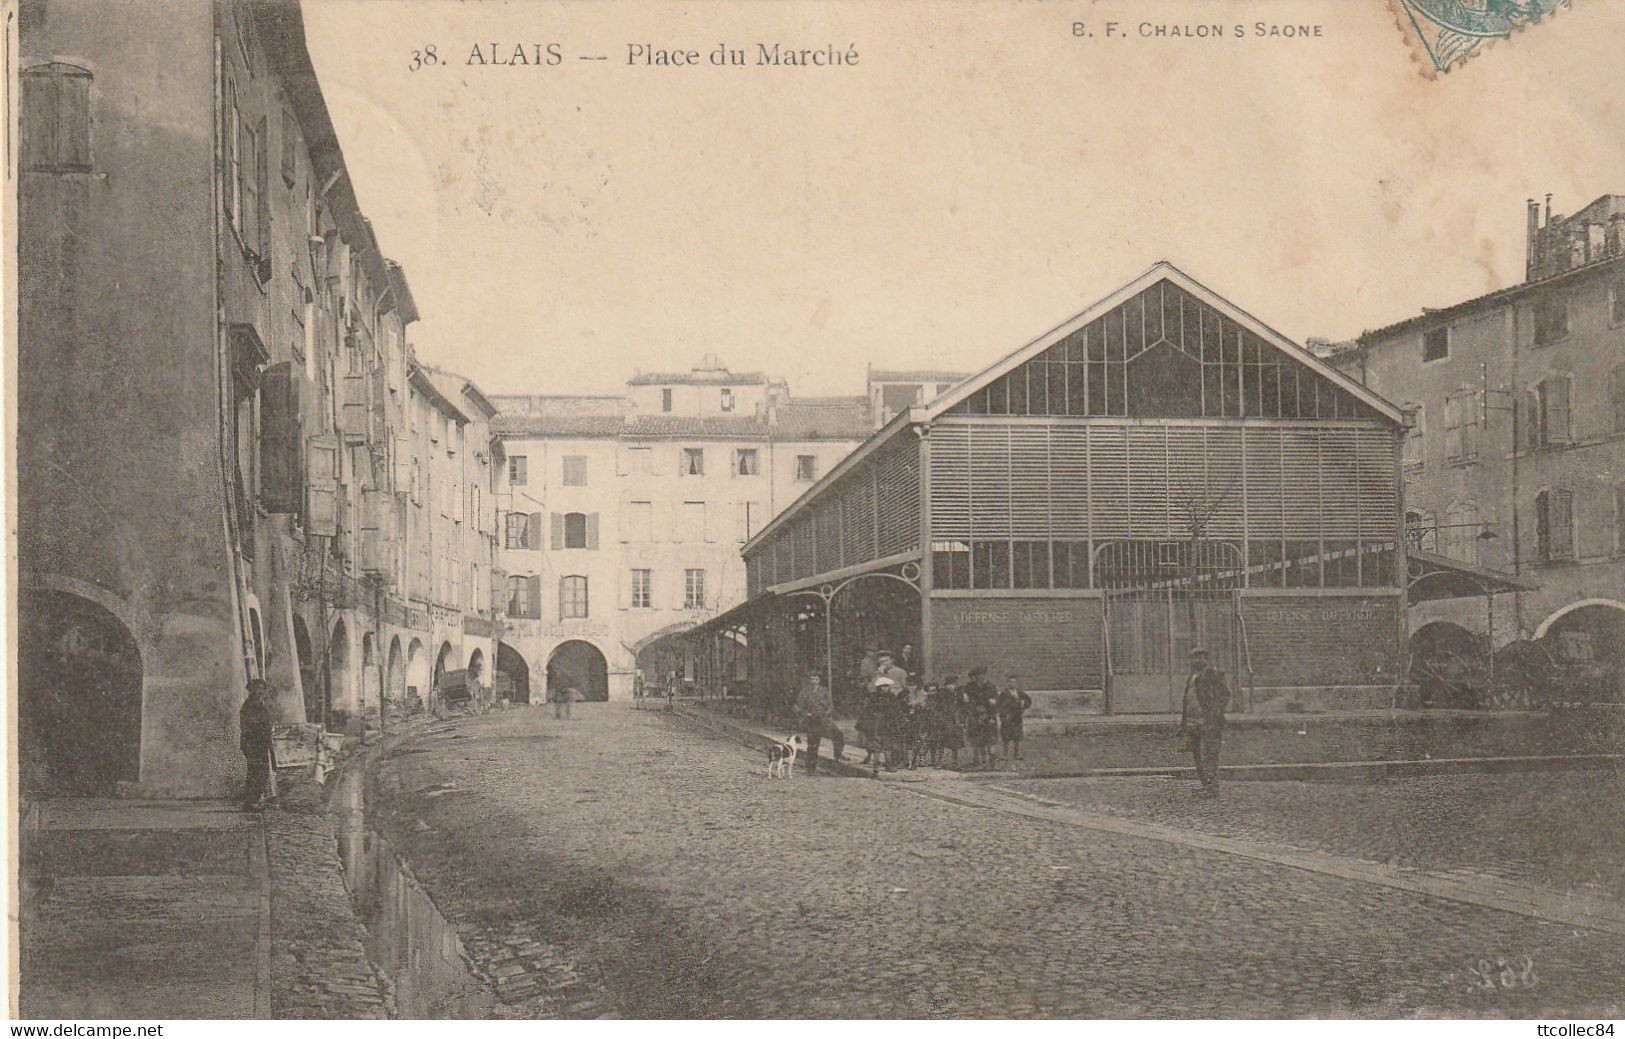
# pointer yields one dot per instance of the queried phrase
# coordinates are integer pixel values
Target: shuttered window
(55, 118)
(282, 483)
(1554, 525)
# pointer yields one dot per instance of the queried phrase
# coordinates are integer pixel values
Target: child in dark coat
(1012, 704)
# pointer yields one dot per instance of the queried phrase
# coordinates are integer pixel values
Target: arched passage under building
(1587, 639)
(511, 668)
(1448, 664)
(579, 665)
(340, 688)
(79, 697)
(417, 675)
(370, 676)
(394, 673)
(309, 673)
(445, 660)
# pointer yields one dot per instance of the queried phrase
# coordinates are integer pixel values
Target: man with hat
(1201, 718)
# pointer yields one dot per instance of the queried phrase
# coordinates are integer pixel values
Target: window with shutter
(575, 530)
(533, 592)
(515, 534)
(233, 193)
(1551, 320)
(281, 440)
(1562, 524)
(533, 532)
(322, 488)
(262, 193)
(1553, 395)
(55, 118)
(518, 470)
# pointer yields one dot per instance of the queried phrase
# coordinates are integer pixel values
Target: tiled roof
(558, 425)
(1500, 296)
(721, 377)
(696, 426)
(919, 375)
(848, 420)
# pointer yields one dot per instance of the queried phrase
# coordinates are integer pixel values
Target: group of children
(904, 724)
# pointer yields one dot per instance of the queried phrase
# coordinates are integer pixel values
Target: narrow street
(625, 863)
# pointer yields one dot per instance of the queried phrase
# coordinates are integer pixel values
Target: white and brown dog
(781, 756)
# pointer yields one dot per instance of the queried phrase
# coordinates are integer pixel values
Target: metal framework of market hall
(1162, 470)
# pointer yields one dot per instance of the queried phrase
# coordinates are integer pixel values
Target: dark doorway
(511, 667)
(79, 689)
(309, 677)
(581, 665)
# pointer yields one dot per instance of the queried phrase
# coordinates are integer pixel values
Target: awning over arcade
(1432, 576)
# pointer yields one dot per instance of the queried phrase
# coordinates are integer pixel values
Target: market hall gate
(1163, 599)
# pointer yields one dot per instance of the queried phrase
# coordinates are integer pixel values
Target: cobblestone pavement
(658, 866)
(1560, 830)
(319, 964)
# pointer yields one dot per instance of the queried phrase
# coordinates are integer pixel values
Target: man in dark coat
(817, 712)
(1202, 718)
(254, 737)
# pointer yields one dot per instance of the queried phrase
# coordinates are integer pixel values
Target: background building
(1160, 471)
(1515, 456)
(229, 464)
(623, 516)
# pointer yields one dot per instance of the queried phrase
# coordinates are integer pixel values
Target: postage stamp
(1447, 33)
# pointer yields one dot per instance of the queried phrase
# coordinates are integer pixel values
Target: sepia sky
(979, 176)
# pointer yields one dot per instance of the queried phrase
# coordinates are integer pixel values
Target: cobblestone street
(625, 863)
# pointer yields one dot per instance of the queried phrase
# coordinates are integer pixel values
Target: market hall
(1161, 471)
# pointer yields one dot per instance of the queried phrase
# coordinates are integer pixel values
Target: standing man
(566, 697)
(817, 712)
(1201, 718)
(254, 737)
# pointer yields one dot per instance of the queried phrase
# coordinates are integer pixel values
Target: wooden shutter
(55, 118)
(533, 585)
(1530, 420)
(262, 215)
(1562, 524)
(372, 543)
(1556, 399)
(281, 440)
(533, 531)
(592, 530)
(558, 531)
(499, 592)
(322, 488)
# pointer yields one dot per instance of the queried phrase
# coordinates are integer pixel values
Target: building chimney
(1530, 251)
(1548, 208)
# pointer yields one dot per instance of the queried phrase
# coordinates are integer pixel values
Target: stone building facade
(1514, 459)
(623, 515)
(216, 401)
